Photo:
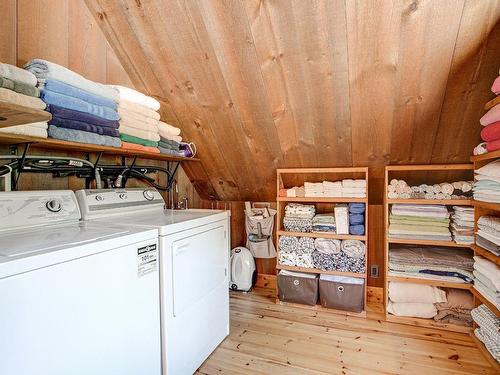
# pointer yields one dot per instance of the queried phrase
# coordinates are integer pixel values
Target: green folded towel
(137, 140)
(20, 87)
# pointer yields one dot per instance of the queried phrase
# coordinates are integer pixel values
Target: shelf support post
(21, 164)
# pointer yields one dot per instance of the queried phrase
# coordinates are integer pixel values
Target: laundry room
(249, 187)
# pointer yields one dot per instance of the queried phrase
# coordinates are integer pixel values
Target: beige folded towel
(138, 109)
(176, 138)
(141, 125)
(135, 117)
(9, 96)
(131, 95)
(144, 134)
(35, 129)
(169, 129)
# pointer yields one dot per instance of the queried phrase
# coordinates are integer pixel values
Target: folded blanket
(9, 96)
(420, 210)
(20, 87)
(83, 126)
(141, 148)
(357, 230)
(327, 245)
(138, 140)
(133, 96)
(415, 310)
(356, 208)
(488, 245)
(69, 114)
(293, 224)
(491, 132)
(338, 262)
(43, 69)
(294, 259)
(144, 134)
(168, 129)
(457, 299)
(488, 269)
(75, 92)
(69, 102)
(354, 248)
(492, 345)
(483, 279)
(426, 256)
(17, 74)
(35, 129)
(425, 276)
(415, 293)
(288, 243)
(83, 137)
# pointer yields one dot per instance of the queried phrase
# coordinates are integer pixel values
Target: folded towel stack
(399, 189)
(139, 119)
(354, 188)
(431, 263)
(488, 331)
(343, 256)
(296, 251)
(487, 279)
(488, 234)
(419, 222)
(487, 184)
(324, 223)
(18, 86)
(298, 217)
(414, 300)
(462, 225)
(329, 189)
(82, 110)
(490, 133)
(357, 219)
(171, 141)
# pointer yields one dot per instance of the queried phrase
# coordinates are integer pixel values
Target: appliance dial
(54, 205)
(122, 196)
(99, 198)
(149, 195)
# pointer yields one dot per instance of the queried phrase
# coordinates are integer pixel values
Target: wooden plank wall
(64, 31)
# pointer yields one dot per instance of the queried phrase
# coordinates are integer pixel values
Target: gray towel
(83, 137)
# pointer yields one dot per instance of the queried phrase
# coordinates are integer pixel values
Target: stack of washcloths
(419, 222)
(431, 263)
(462, 225)
(491, 122)
(488, 234)
(295, 251)
(332, 189)
(357, 219)
(298, 217)
(328, 189)
(314, 189)
(82, 110)
(324, 223)
(488, 331)
(487, 279)
(487, 184)
(336, 255)
(18, 86)
(354, 188)
(170, 139)
(139, 119)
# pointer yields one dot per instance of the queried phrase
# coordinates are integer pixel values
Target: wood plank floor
(272, 339)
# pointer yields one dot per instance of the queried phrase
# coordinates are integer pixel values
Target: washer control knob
(122, 196)
(149, 195)
(54, 205)
(99, 198)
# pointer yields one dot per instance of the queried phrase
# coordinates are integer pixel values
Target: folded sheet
(144, 134)
(76, 92)
(416, 293)
(137, 140)
(44, 69)
(83, 126)
(83, 137)
(134, 96)
(70, 114)
(9, 96)
(20, 87)
(415, 310)
(17, 74)
(141, 148)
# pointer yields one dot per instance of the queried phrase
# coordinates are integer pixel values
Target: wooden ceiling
(262, 84)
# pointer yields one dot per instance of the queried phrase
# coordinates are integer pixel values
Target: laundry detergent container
(297, 287)
(342, 293)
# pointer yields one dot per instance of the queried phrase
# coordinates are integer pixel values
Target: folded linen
(179, 153)
(493, 115)
(44, 69)
(168, 144)
(17, 74)
(69, 114)
(9, 96)
(416, 293)
(483, 279)
(138, 140)
(69, 102)
(488, 245)
(139, 109)
(288, 243)
(357, 230)
(356, 208)
(490, 169)
(170, 137)
(293, 224)
(76, 92)
(141, 148)
(327, 245)
(356, 219)
(35, 129)
(337, 262)
(83, 126)
(341, 218)
(491, 344)
(169, 129)
(83, 137)
(20, 87)
(420, 210)
(133, 96)
(144, 134)
(130, 117)
(409, 309)
(354, 183)
(354, 248)
(488, 269)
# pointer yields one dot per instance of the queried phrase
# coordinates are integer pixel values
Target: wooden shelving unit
(13, 114)
(417, 174)
(296, 177)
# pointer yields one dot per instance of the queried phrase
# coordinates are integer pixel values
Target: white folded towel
(35, 129)
(131, 95)
(17, 74)
(168, 129)
(144, 134)
(354, 183)
(131, 116)
(138, 109)
(176, 138)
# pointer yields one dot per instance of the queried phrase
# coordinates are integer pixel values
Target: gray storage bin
(296, 287)
(342, 293)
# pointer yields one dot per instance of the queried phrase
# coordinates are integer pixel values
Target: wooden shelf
(426, 242)
(318, 271)
(488, 156)
(56, 144)
(13, 114)
(321, 235)
(430, 167)
(321, 308)
(322, 170)
(443, 284)
(486, 254)
(485, 301)
(322, 200)
(448, 202)
(430, 323)
(487, 205)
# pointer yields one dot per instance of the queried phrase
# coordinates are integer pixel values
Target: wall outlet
(374, 270)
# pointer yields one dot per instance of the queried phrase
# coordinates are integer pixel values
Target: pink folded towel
(496, 86)
(493, 115)
(491, 132)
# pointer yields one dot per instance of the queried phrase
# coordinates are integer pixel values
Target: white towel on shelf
(139, 109)
(144, 134)
(131, 116)
(348, 183)
(17, 74)
(341, 218)
(134, 96)
(168, 129)
(35, 129)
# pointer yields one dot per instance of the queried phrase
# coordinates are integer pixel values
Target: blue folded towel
(65, 101)
(356, 208)
(63, 88)
(83, 137)
(356, 219)
(78, 125)
(357, 230)
(70, 114)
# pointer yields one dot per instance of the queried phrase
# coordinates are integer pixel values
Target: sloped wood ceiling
(262, 84)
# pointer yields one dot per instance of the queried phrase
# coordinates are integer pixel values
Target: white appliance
(75, 298)
(243, 273)
(194, 261)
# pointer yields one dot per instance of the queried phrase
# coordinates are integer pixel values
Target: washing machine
(194, 269)
(75, 298)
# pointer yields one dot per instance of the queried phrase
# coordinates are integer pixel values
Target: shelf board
(443, 284)
(485, 301)
(487, 205)
(56, 144)
(323, 170)
(430, 167)
(13, 114)
(486, 254)
(426, 242)
(322, 200)
(450, 202)
(321, 235)
(362, 314)
(488, 156)
(318, 271)
(430, 323)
